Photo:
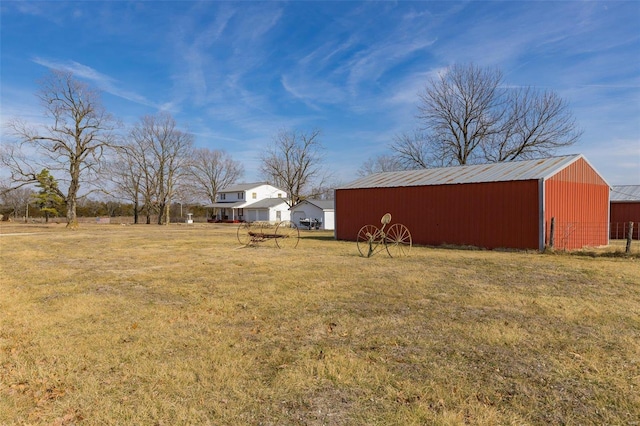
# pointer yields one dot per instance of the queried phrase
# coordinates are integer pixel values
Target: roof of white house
(321, 204)
(266, 203)
(227, 205)
(625, 193)
(495, 172)
(239, 187)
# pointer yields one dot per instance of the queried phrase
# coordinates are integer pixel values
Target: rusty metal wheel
(370, 240)
(398, 240)
(243, 233)
(287, 234)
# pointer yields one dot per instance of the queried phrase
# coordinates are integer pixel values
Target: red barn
(625, 208)
(500, 205)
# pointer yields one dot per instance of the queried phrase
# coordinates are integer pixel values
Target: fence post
(552, 232)
(629, 237)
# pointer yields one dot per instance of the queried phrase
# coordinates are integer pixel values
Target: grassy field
(156, 325)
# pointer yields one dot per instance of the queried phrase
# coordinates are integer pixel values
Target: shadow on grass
(590, 253)
(318, 237)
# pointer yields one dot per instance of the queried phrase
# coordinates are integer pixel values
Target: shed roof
(321, 204)
(625, 193)
(495, 172)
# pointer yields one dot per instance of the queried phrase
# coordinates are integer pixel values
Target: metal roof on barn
(625, 193)
(496, 172)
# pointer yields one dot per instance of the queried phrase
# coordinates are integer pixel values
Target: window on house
(240, 195)
(254, 195)
(222, 196)
(278, 215)
(279, 195)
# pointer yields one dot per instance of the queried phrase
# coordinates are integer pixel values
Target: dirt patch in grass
(179, 325)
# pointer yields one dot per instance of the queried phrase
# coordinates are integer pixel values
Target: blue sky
(235, 73)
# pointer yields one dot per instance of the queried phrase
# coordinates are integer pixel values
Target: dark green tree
(49, 198)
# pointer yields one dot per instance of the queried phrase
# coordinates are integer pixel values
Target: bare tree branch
(460, 109)
(161, 153)
(380, 163)
(467, 117)
(538, 124)
(213, 170)
(293, 162)
(16, 198)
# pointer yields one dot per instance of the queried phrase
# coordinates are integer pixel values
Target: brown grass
(174, 325)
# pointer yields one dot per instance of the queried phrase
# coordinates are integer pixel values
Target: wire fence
(620, 230)
(576, 235)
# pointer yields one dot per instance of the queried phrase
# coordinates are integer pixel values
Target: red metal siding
(621, 214)
(578, 198)
(490, 215)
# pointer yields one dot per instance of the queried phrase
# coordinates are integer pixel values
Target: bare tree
(325, 192)
(17, 199)
(459, 110)
(213, 170)
(294, 163)
(380, 163)
(537, 123)
(126, 172)
(468, 117)
(162, 153)
(71, 146)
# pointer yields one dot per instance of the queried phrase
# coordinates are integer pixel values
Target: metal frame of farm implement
(285, 233)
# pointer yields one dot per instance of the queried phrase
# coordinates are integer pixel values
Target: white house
(238, 203)
(318, 214)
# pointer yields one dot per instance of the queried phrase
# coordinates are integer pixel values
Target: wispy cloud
(370, 64)
(102, 81)
(236, 72)
(617, 159)
(21, 104)
(324, 55)
(313, 93)
(344, 70)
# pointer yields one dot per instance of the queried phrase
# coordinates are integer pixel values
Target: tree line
(28, 204)
(466, 115)
(152, 166)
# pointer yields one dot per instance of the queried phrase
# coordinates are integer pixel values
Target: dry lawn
(115, 325)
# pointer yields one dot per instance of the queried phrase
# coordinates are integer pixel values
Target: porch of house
(226, 215)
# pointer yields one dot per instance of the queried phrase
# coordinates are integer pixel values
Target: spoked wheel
(243, 233)
(398, 240)
(369, 240)
(287, 234)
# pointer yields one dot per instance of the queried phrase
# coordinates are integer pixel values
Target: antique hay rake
(396, 240)
(285, 233)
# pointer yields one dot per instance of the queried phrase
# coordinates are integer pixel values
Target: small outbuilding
(507, 205)
(625, 208)
(316, 214)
